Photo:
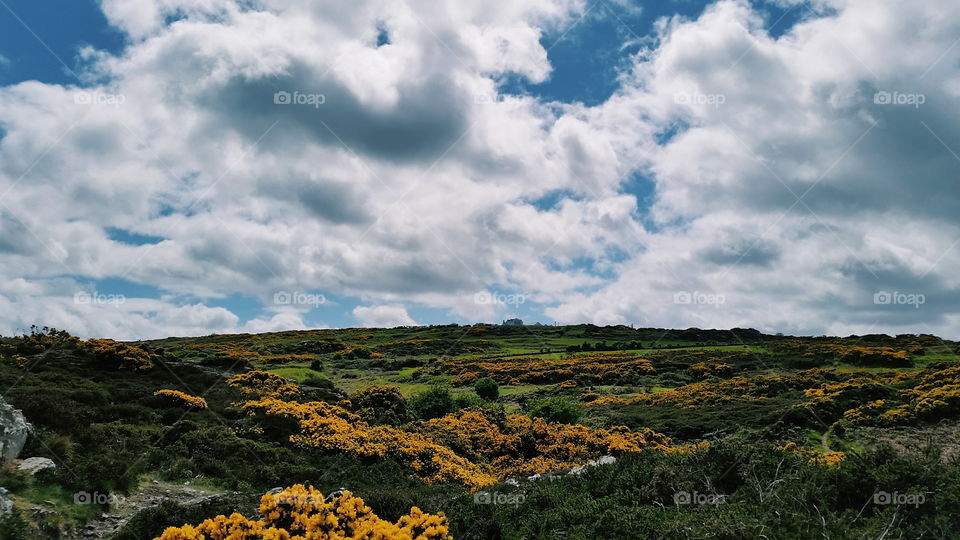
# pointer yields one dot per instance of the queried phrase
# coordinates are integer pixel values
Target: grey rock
(606, 460)
(6, 505)
(13, 431)
(36, 464)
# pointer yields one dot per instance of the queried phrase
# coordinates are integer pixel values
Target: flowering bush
(587, 368)
(182, 399)
(711, 369)
(710, 393)
(264, 384)
(336, 429)
(465, 447)
(118, 355)
(303, 512)
(828, 459)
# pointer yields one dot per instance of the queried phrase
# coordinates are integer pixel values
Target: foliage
(487, 389)
(557, 409)
(380, 404)
(590, 368)
(182, 399)
(117, 355)
(433, 403)
(303, 512)
(263, 384)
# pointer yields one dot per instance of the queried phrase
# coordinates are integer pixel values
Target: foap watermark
(897, 298)
(907, 499)
(695, 497)
(487, 298)
(696, 98)
(96, 298)
(697, 298)
(512, 102)
(287, 499)
(298, 298)
(97, 498)
(299, 98)
(884, 97)
(486, 497)
(99, 98)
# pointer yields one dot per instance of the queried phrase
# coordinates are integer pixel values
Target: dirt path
(147, 495)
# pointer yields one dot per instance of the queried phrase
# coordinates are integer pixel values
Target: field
(721, 434)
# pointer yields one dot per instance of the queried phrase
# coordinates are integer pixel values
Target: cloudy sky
(182, 167)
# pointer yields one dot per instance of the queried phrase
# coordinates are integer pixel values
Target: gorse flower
(302, 513)
(264, 384)
(182, 399)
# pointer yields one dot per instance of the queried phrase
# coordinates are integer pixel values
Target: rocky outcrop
(36, 464)
(13, 432)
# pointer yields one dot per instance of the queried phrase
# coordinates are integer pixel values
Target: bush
(318, 380)
(380, 405)
(433, 403)
(557, 409)
(487, 389)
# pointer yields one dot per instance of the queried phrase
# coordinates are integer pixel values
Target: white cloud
(412, 184)
(386, 316)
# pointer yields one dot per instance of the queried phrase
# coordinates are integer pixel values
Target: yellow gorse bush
(336, 429)
(264, 384)
(828, 459)
(182, 399)
(596, 368)
(465, 447)
(302, 513)
(121, 355)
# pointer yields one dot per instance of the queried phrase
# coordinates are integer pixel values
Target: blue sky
(595, 197)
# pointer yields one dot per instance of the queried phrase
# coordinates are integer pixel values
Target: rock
(512, 482)
(36, 464)
(13, 431)
(6, 505)
(606, 460)
(534, 478)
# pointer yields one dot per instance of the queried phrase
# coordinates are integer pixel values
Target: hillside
(484, 431)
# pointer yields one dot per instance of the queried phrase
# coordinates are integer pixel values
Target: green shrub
(487, 388)
(557, 409)
(433, 403)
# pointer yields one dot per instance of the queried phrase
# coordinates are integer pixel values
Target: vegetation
(727, 434)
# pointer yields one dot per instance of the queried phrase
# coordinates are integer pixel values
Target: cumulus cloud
(385, 316)
(802, 162)
(280, 145)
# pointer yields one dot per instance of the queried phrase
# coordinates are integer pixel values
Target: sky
(174, 167)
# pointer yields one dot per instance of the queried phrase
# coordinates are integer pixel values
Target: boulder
(36, 464)
(13, 432)
(6, 505)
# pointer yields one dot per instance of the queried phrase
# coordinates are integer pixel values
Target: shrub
(380, 405)
(117, 355)
(432, 403)
(182, 399)
(318, 380)
(557, 409)
(487, 389)
(305, 513)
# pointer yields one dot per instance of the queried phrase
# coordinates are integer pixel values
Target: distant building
(513, 322)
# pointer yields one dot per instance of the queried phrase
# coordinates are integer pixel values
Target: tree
(487, 389)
